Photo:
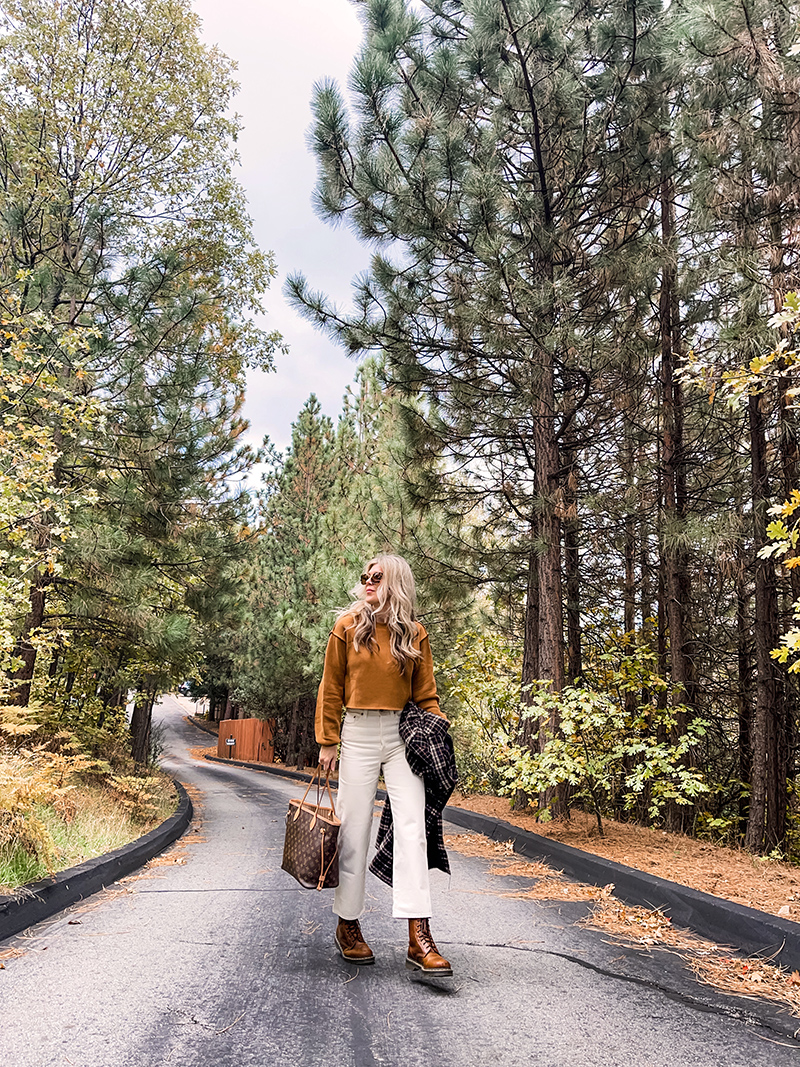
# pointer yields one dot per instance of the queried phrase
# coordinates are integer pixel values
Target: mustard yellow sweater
(367, 679)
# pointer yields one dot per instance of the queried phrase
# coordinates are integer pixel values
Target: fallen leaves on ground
(200, 752)
(166, 861)
(644, 928)
(767, 884)
(750, 978)
(550, 884)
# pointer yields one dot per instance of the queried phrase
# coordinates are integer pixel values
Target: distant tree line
(128, 281)
(336, 498)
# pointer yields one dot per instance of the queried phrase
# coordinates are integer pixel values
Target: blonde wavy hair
(397, 603)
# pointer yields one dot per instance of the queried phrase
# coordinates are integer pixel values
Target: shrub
(601, 754)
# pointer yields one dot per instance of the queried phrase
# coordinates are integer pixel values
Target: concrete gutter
(746, 930)
(39, 900)
(202, 726)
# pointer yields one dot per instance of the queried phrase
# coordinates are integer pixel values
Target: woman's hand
(327, 757)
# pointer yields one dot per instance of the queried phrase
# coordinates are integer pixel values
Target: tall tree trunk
(629, 624)
(743, 691)
(141, 725)
(551, 609)
(790, 466)
(677, 584)
(528, 734)
(308, 751)
(766, 825)
(572, 535)
(293, 733)
(551, 613)
(25, 649)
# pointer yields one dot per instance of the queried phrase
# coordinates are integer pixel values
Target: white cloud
(282, 50)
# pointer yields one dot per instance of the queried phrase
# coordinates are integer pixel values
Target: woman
(378, 658)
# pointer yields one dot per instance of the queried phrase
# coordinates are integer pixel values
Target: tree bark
(629, 624)
(292, 734)
(677, 584)
(551, 610)
(551, 614)
(308, 751)
(766, 825)
(528, 732)
(141, 725)
(22, 678)
(743, 692)
(572, 536)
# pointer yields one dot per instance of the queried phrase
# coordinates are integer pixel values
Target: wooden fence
(253, 739)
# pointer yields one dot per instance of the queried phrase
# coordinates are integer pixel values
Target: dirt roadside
(769, 885)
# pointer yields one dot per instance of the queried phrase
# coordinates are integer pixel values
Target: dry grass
(750, 978)
(641, 926)
(95, 821)
(550, 885)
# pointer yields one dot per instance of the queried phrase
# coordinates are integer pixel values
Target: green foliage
(617, 756)
(40, 411)
(560, 202)
(779, 367)
(129, 282)
(604, 758)
(482, 676)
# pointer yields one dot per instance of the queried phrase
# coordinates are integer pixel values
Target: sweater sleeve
(423, 683)
(330, 696)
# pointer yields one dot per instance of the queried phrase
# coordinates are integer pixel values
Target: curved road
(214, 957)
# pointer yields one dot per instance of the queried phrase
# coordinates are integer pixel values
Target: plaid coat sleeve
(429, 751)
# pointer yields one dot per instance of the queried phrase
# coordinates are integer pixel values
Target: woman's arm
(330, 697)
(423, 683)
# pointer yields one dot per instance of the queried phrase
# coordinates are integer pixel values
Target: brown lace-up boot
(423, 954)
(351, 944)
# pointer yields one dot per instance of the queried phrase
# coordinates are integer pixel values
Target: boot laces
(351, 932)
(424, 938)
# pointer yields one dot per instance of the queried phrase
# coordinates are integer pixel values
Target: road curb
(202, 726)
(40, 900)
(268, 768)
(746, 930)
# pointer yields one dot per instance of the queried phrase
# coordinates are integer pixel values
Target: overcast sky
(282, 48)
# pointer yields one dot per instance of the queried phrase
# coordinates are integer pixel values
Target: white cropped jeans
(371, 741)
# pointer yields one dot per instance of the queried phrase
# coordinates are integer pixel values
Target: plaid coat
(429, 751)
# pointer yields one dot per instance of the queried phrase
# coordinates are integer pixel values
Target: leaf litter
(643, 928)
(770, 885)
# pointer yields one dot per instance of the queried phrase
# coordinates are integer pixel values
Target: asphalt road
(214, 957)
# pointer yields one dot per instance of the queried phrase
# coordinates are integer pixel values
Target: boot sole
(364, 961)
(433, 972)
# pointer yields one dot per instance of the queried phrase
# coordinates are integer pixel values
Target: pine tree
(277, 655)
(480, 163)
(741, 115)
(124, 221)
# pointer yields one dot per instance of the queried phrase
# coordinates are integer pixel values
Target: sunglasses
(372, 579)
